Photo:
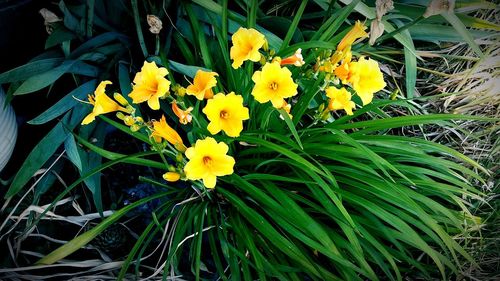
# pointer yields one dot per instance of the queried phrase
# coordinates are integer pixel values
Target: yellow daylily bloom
(339, 99)
(342, 72)
(202, 85)
(274, 84)
(171, 176)
(102, 103)
(150, 85)
(246, 45)
(207, 161)
(226, 113)
(366, 78)
(356, 32)
(184, 115)
(162, 130)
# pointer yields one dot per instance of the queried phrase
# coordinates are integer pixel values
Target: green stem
(157, 45)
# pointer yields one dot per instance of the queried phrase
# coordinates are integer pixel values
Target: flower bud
(179, 157)
(129, 120)
(135, 128)
(119, 98)
(171, 176)
(120, 115)
(296, 59)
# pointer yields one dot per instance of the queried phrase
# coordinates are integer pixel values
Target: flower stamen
(207, 160)
(273, 86)
(224, 114)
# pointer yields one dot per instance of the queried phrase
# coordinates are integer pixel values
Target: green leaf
(124, 80)
(59, 34)
(113, 155)
(291, 126)
(40, 81)
(188, 70)
(138, 28)
(293, 27)
(30, 69)
(72, 152)
(66, 103)
(43, 151)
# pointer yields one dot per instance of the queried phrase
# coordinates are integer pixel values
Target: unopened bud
(119, 98)
(179, 157)
(129, 120)
(120, 115)
(180, 147)
(171, 176)
(135, 128)
(266, 45)
(262, 60)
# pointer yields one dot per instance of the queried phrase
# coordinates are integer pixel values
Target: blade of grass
(293, 27)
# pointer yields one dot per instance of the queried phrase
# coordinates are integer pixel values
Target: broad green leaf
(138, 28)
(30, 69)
(293, 26)
(72, 152)
(43, 151)
(188, 70)
(40, 81)
(66, 103)
(59, 35)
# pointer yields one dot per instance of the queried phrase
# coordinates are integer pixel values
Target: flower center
(207, 161)
(152, 86)
(224, 114)
(273, 86)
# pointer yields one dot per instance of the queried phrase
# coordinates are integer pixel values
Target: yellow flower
(184, 115)
(171, 176)
(207, 161)
(342, 72)
(366, 78)
(202, 85)
(150, 85)
(163, 130)
(102, 103)
(246, 45)
(274, 84)
(226, 113)
(340, 99)
(358, 31)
